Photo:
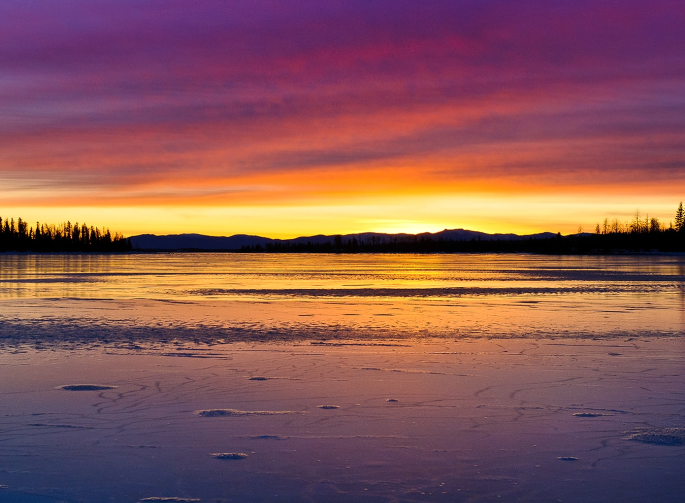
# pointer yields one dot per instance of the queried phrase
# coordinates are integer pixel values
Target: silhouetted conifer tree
(680, 218)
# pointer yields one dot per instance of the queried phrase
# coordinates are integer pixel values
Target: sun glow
(392, 214)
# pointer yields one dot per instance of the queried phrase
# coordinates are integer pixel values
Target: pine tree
(680, 218)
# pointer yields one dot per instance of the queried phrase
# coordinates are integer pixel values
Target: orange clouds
(250, 105)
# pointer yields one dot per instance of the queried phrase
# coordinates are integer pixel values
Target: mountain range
(178, 242)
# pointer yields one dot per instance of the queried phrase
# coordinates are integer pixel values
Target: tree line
(65, 237)
(637, 235)
(639, 225)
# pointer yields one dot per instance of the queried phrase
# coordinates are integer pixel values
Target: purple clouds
(152, 93)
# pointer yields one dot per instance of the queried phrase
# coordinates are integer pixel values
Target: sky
(298, 117)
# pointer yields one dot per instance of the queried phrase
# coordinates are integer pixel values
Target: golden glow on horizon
(412, 214)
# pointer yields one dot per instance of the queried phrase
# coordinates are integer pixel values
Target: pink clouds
(154, 94)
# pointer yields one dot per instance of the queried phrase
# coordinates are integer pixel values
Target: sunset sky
(287, 118)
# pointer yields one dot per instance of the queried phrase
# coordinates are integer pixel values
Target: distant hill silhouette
(637, 235)
(180, 242)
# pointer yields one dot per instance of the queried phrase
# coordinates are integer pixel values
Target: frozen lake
(231, 377)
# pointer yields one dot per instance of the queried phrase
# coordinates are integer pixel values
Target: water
(436, 378)
(230, 297)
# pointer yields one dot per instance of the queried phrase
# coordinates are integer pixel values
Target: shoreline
(613, 253)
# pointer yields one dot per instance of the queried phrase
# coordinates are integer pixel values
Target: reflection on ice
(232, 297)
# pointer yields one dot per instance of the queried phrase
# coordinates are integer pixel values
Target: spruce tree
(680, 218)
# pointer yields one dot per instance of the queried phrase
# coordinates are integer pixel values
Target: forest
(639, 235)
(65, 237)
